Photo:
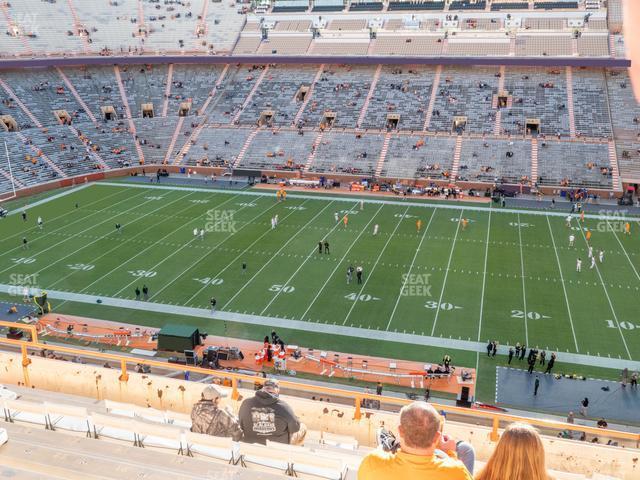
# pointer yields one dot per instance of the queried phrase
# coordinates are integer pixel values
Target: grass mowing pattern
(530, 292)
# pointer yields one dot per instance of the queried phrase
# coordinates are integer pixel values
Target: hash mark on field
(374, 267)
(340, 262)
(415, 255)
(524, 290)
(446, 274)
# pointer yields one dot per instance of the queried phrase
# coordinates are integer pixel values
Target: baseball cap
(271, 384)
(211, 392)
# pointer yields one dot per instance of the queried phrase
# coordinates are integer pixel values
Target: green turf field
(509, 276)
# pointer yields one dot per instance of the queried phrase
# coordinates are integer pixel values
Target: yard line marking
(93, 260)
(371, 201)
(604, 286)
(75, 235)
(446, 273)
(484, 282)
(174, 252)
(50, 198)
(413, 261)
(274, 256)
(624, 250)
(35, 228)
(200, 259)
(355, 301)
(564, 288)
(318, 327)
(302, 264)
(340, 262)
(524, 290)
(217, 275)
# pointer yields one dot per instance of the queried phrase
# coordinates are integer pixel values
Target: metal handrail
(357, 397)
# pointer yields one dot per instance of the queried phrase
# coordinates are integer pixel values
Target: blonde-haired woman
(518, 455)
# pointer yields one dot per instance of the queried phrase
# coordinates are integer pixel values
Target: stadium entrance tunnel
(302, 93)
(459, 124)
(8, 123)
(108, 113)
(147, 110)
(328, 119)
(184, 110)
(503, 100)
(532, 126)
(393, 120)
(266, 118)
(63, 117)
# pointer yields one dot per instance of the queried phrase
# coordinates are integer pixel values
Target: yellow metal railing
(495, 418)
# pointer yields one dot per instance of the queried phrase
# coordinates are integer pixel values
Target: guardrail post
(358, 413)
(124, 376)
(495, 436)
(25, 358)
(234, 385)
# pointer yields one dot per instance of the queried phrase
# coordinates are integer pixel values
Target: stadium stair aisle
(132, 126)
(432, 98)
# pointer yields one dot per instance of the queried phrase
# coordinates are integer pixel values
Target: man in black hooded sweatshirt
(266, 417)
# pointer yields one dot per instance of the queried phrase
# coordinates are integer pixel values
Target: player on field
(118, 228)
(24, 215)
(359, 274)
(326, 247)
(195, 232)
(627, 228)
(582, 216)
(25, 245)
(588, 235)
(464, 222)
(601, 256)
(418, 225)
(361, 204)
(590, 251)
(345, 220)
(273, 223)
(579, 265)
(276, 219)
(244, 267)
(320, 246)
(202, 234)
(336, 217)
(593, 262)
(375, 229)
(40, 223)
(213, 303)
(568, 221)
(349, 274)
(572, 239)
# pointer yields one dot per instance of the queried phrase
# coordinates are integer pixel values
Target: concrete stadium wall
(177, 395)
(595, 62)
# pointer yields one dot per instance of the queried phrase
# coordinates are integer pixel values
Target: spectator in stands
(266, 417)
(209, 418)
(421, 451)
(518, 455)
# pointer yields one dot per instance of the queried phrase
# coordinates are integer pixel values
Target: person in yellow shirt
(345, 220)
(464, 222)
(627, 228)
(424, 452)
(418, 225)
(588, 235)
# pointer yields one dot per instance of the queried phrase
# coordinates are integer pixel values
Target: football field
(508, 275)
